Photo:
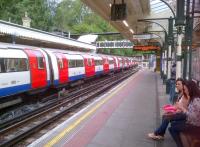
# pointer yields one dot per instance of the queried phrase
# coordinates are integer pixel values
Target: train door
(62, 68)
(105, 65)
(89, 67)
(123, 63)
(115, 63)
(37, 68)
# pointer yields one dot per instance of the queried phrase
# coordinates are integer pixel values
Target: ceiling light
(125, 23)
(131, 30)
(110, 4)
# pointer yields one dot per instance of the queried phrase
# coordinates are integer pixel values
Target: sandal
(155, 137)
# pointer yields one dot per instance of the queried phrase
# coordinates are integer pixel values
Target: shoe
(155, 137)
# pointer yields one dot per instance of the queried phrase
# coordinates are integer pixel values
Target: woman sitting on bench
(192, 114)
(172, 114)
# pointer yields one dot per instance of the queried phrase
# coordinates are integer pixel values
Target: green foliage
(74, 16)
(38, 10)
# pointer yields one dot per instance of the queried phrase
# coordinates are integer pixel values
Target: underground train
(25, 69)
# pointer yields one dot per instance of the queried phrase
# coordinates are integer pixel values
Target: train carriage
(76, 67)
(111, 64)
(98, 65)
(116, 64)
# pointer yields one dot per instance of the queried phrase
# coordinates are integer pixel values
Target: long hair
(193, 90)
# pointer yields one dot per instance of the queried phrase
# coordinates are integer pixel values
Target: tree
(38, 10)
(74, 16)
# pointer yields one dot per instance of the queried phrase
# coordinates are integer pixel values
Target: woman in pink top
(176, 114)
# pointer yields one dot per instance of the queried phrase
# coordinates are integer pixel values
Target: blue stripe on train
(48, 83)
(99, 72)
(14, 89)
(55, 82)
(78, 77)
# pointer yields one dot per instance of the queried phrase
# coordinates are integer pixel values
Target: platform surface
(121, 118)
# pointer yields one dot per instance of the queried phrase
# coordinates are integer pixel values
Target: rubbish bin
(164, 78)
(168, 85)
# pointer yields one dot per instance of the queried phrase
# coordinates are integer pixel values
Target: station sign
(114, 44)
(145, 48)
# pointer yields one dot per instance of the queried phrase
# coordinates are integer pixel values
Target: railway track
(28, 124)
(52, 99)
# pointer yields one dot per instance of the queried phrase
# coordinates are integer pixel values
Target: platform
(120, 118)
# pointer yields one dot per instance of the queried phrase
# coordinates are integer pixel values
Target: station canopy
(135, 10)
(29, 36)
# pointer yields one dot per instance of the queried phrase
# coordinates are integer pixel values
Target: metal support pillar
(169, 61)
(179, 53)
(165, 62)
(180, 22)
(170, 41)
(161, 62)
(190, 46)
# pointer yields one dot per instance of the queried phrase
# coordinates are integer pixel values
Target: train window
(106, 61)
(79, 63)
(2, 66)
(22, 65)
(11, 65)
(111, 62)
(89, 62)
(72, 63)
(98, 62)
(14, 65)
(40, 61)
(60, 63)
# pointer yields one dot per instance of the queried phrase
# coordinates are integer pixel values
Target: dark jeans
(166, 120)
(175, 129)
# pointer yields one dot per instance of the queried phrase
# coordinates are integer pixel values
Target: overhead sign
(145, 48)
(115, 44)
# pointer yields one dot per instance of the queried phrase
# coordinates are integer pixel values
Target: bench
(191, 137)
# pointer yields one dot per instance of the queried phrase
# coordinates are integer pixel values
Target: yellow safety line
(77, 122)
